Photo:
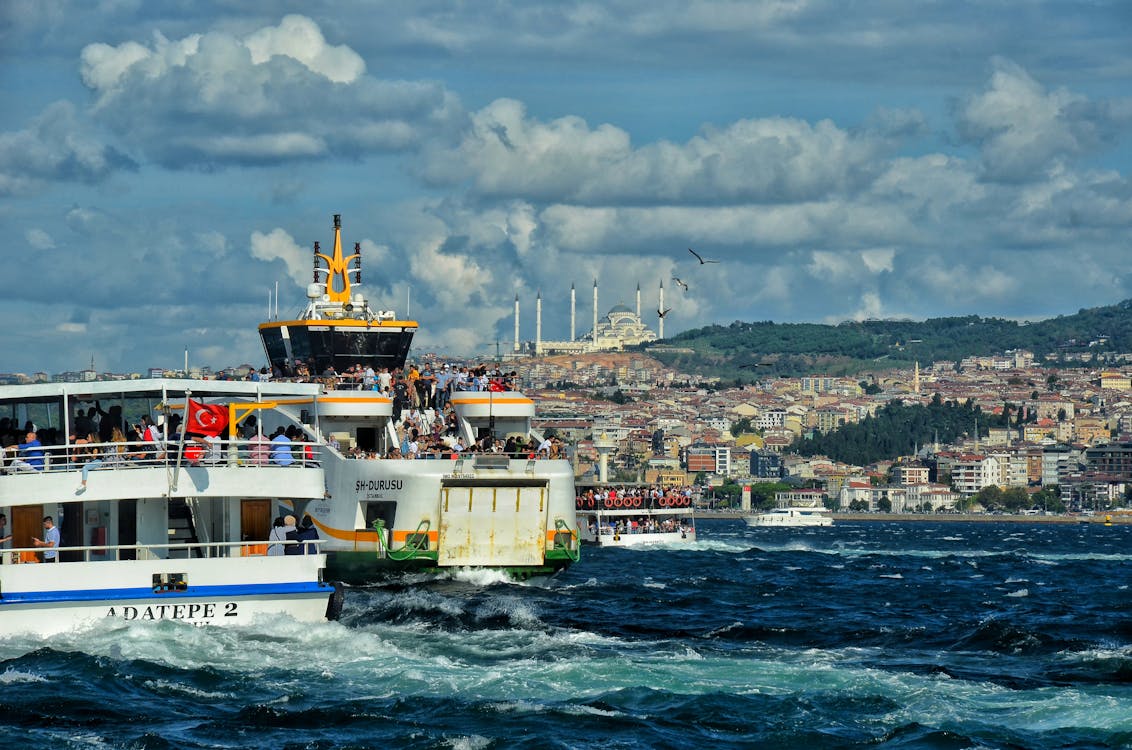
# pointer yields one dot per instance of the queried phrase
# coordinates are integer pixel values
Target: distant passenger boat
(608, 516)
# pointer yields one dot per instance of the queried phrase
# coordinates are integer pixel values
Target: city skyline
(164, 168)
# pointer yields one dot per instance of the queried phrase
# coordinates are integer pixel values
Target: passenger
(259, 448)
(31, 454)
(281, 449)
(307, 532)
(109, 421)
(93, 460)
(290, 533)
(278, 536)
(50, 540)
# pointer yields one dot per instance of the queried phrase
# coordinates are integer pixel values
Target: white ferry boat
(158, 530)
(621, 516)
(451, 508)
(791, 516)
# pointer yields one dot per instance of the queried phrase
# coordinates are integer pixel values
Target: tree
(741, 426)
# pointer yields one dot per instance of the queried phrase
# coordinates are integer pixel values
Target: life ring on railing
(617, 537)
(618, 502)
(663, 501)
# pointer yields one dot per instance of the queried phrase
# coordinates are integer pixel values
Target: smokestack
(516, 323)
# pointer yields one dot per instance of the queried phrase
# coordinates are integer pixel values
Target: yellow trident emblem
(337, 267)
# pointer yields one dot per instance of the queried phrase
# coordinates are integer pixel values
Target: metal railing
(149, 552)
(140, 454)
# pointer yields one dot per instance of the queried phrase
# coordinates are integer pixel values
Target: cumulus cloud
(507, 154)
(279, 94)
(39, 239)
(55, 147)
(1022, 129)
(278, 245)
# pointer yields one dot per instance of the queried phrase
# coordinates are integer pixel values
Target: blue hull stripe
(192, 592)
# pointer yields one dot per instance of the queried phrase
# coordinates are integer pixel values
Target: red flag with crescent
(206, 419)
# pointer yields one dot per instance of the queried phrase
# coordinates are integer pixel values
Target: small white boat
(615, 518)
(791, 516)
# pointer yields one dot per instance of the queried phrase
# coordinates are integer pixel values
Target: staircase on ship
(182, 530)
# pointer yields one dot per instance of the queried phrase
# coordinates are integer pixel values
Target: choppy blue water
(880, 635)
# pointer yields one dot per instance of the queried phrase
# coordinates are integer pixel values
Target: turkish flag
(206, 419)
(496, 387)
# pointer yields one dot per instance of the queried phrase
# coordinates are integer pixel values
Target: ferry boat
(791, 516)
(147, 530)
(461, 507)
(630, 516)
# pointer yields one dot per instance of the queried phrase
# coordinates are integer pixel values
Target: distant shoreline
(1116, 518)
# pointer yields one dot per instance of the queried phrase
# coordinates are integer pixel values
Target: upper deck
(228, 466)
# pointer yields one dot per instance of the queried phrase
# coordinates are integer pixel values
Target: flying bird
(662, 313)
(701, 260)
(681, 283)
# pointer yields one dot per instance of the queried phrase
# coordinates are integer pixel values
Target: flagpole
(181, 439)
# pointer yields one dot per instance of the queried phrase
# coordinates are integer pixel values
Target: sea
(860, 635)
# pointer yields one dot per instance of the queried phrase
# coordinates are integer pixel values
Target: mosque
(620, 327)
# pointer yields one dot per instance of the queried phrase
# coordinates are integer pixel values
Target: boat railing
(251, 453)
(144, 552)
(354, 383)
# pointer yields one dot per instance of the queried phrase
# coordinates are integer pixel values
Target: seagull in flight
(701, 260)
(681, 283)
(662, 313)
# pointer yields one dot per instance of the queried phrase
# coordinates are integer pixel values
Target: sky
(165, 165)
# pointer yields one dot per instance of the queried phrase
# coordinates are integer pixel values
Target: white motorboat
(619, 516)
(159, 531)
(791, 516)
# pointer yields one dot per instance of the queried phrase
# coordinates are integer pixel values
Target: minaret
(595, 312)
(638, 300)
(916, 380)
(516, 323)
(660, 310)
(573, 299)
(538, 324)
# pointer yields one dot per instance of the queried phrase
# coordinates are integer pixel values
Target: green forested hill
(752, 350)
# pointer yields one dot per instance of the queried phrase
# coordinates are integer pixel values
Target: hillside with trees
(899, 429)
(750, 351)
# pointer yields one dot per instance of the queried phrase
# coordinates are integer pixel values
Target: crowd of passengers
(615, 498)
(428, 386)
(101, 439)
(641, 525)
(434, 433)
